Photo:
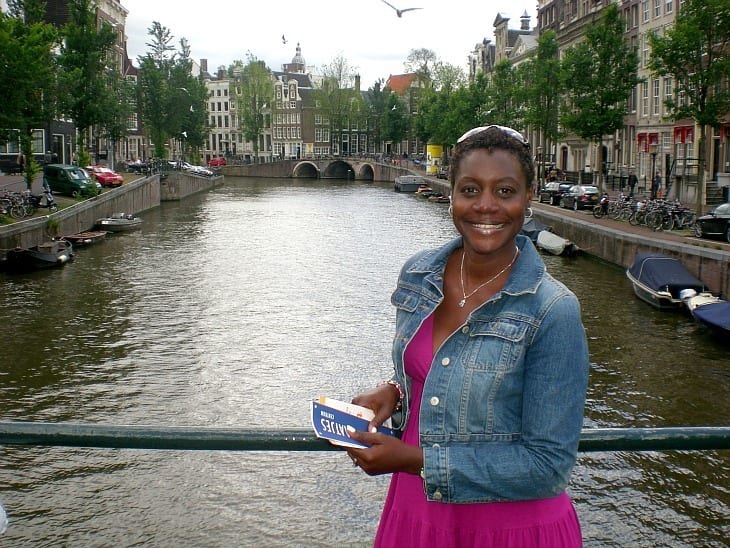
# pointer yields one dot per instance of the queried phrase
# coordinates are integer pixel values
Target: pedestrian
(632, 183)
(492, 404)
(658, 184)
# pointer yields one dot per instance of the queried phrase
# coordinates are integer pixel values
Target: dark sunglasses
(504, 129)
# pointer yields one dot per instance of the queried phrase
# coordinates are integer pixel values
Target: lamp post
(539, 167)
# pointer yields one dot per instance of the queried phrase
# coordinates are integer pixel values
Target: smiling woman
(493, 408)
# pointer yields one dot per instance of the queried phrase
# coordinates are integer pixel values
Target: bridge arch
(306, 170)
(366, 173)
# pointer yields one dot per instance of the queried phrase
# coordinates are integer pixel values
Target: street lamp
(539, 167)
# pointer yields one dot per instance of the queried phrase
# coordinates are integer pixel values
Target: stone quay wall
(178, 185)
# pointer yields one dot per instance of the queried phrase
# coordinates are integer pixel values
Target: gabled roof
(400, 83)
(303, 80)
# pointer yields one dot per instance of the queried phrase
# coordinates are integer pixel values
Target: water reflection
(234, 308)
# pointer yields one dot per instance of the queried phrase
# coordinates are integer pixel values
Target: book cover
(331, 418)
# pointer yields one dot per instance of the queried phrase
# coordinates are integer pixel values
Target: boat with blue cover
(659, 279)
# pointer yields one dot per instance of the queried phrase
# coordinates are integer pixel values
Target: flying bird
(192, 109)
(185, 90)
(394, 107)
(283, 39)
(184, 134)
(400, 12)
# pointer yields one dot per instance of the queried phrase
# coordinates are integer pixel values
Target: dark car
(552, 192)
(443, 172)
(580, 197)
(716, 223)
(69, 179)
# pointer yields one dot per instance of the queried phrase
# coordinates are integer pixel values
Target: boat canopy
(716, 314)
(663, 273)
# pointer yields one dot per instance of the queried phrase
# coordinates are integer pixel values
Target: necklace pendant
(461, 303)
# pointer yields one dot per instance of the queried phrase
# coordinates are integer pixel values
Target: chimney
(357, 82)
(203, 65)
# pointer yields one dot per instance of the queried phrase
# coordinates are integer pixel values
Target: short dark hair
(492, 139)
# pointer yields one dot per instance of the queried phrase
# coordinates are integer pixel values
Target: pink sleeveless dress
(410, 520)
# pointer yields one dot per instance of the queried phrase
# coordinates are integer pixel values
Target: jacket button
(465, 329)
(445, 362)
(435, 446)
(437, 495)
(434, 400)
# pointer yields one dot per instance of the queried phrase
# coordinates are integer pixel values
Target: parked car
(443, 172)
(105, 176)
(67, 179)
(217, 162)
(580, 197)
(715, 223)
(552, 192)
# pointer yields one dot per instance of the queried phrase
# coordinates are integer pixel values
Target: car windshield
(590, 190)
(76, 174)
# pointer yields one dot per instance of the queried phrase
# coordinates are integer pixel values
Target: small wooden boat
(49, 254)
(439, 198)
(85, 238)
(119, 222)
(659, 279)
(409, 183)
(557, 245)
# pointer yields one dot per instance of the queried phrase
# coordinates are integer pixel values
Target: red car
(105, 176)
(217, 162)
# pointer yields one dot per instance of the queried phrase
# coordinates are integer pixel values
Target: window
(292, 104)
(668, 93)
(225, 91)
(218, 92)
(668, 6)
(645, 10)
(225, 106)
(644, 50)
(645, 99)
(655, 90)
(657, 8)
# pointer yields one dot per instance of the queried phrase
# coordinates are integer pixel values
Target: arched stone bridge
(326, 168)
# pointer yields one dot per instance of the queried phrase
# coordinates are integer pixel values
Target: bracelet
(399, 388)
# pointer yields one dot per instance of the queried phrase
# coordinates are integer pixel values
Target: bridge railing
(246, 439)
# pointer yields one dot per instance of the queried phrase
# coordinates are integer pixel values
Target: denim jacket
(502, 405)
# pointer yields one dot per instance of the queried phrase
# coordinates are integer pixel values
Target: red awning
(642, 141)
(654, 139)
(684, 134)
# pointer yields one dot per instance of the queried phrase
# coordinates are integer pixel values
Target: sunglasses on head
(504, 129)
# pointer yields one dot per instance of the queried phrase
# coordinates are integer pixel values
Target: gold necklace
(462, 302)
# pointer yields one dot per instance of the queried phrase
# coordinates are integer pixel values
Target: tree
(116, 125)
(376, 99)
(503, 95)
(85, 55)
(543, 92)
(171, 100)
(29, 97)
(598, 76)
(696, 54)
(396, 119)
(422, 62)
(254, 93)
(335, 96)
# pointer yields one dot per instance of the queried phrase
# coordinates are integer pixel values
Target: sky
(368, 34)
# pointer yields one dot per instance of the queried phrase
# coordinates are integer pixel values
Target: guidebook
(331, 419)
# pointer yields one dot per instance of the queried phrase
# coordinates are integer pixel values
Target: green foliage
(253, 95)
(695, 52)
(396, 119)
(84, 60)
(598, 76)
(336, 95)
(171, 101)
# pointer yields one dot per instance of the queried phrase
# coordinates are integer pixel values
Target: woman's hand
(382, 400)
(385, 455)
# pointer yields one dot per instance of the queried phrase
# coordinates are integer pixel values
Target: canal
(235, 308)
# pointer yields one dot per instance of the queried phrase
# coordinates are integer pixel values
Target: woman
(491, 368)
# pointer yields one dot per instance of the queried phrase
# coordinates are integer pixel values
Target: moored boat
(85, 238)
(709, 311)
(119, 222)
(659, 279)
(49, 254)
(409, 183)
(557, 245)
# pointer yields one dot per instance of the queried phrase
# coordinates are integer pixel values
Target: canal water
(235, 308)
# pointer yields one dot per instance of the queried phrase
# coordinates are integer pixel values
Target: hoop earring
(528, 213)
(451, 211)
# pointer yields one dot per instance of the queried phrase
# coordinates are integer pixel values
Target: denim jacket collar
(520, 281)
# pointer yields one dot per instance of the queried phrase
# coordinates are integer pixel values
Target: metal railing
(243, 439)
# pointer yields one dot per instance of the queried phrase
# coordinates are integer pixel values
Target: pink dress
(410, 520)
